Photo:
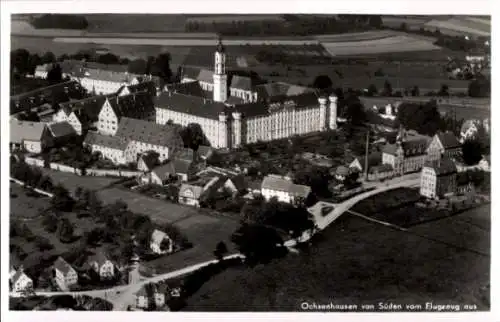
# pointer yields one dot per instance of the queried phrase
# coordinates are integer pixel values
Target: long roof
(277, 183)
(61, 129)
(135, 105)
(207, 108)
(448, 140)
(61, 265)
(24, 130)
(188, 88)
(242, 82)
(148, 132)
(112, 142)
(87, 108)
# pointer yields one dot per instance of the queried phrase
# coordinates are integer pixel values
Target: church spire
(220, 46)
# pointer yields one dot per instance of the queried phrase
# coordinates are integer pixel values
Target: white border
(479, 7)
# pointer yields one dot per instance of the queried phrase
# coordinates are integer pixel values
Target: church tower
(220, 77)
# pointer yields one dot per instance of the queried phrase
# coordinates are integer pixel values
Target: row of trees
(478, 87)
(294, 25)
(60, 21)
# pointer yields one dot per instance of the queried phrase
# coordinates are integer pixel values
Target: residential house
(147, 161)
(62, 133)
(283, 189)
(147, 136)
(65, 275)
(380, 172)
(147, 86)
(464, 185)
(443, 144)
(111, 147)
(102, 266)
(33, 137)
(21, 282)
(161, 243)
(438, 179)
(173, 170)
(190, 194)
(356, 164)
(41, 71)
(408, 154)
(157, 293)
(135, 106)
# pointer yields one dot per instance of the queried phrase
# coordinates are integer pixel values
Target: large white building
(251, 113)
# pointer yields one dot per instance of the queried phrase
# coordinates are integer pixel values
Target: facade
(161, 243)
(257, 113)
(65, 275)
(190, 194)
(380, 172)
(157, 293)
(102, 266)
(438, 179)
(444, 145)
(101, 82)
(136, 106)
(283, 189)
(83, 114)
(21, 282)
(147, 161)
(408, 154)
(33, 137)
(111, 148)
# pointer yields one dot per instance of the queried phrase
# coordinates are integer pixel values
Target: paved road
(340, 208)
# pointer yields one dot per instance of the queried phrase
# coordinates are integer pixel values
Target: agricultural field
(230, 18)
(135, 23)
(398, 43)
(458, 26)
(365, 263)
(412, 22)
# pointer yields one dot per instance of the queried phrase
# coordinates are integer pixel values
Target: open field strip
(460, 26)
(180, 42)
(389, 44)
(356, 36)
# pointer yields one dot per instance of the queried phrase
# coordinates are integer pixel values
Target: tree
(372, 90)
(165, 244)
(66, 230)
(258, 243)
(20, 61)
(94, 237)
(161, 67)
(355, 111)
(220, 250)
(403, 26)
(375, 21)
(387, 91)
(137, 66)
(108, 59)
(193, 136)
(472, 151)
(54, 75)
(423, 118)
(415, 91)
(48, 58)
(61, 199)
(50, 222)
(479, 88)
(322, 83)
(444, 90)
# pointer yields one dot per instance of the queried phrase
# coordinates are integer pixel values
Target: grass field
(72, 181)
(355, 262)
(25, 207)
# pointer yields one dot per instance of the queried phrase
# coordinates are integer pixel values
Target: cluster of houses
(155, 296)
(438, 158)
(65, 276)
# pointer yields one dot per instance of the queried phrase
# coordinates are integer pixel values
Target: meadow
(360, 262)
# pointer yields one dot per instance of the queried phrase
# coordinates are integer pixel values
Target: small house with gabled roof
(65, 275)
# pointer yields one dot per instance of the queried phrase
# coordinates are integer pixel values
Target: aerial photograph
(249, 162)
